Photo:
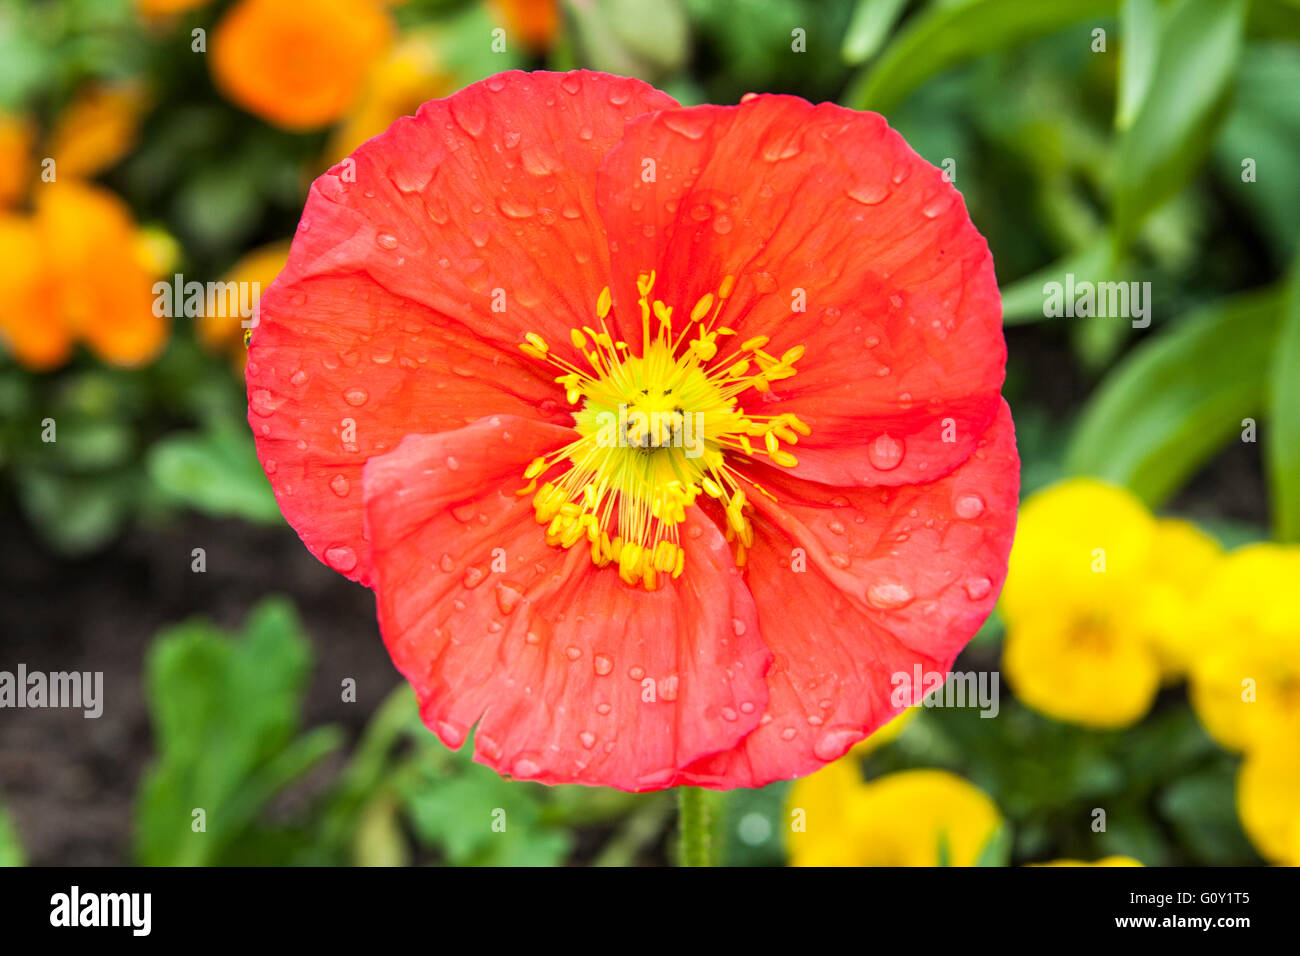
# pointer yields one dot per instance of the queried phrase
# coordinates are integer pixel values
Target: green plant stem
(695, 810)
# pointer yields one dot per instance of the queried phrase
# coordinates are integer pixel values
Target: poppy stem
(695, 825)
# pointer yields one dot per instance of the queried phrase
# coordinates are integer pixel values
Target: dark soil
(69, 782)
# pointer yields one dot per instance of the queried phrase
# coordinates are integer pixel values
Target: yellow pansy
(886, 734)
(1104, 861)
(1245, 687)
(1268, 801)
(1184, 558)
(1080, 566)
(912, 818)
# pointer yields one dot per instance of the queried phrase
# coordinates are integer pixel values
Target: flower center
(655, 431)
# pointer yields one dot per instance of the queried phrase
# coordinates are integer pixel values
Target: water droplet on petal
(340, 486)
(869, 194)
(978, 588)
(386, 241)
(885, 453)
(889, 595)
(356, 397)
(836, 742)
(587, 739)
(341, 559)
(602, 664)
(968, 506)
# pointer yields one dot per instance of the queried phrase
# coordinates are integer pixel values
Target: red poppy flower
(665, 436)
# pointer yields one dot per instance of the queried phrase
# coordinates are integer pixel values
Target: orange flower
(397, 86)
(17, 135)
(298, 65)
(76, 269)
(97, 129)
(225, 333)
(153, 9)
(533, 22)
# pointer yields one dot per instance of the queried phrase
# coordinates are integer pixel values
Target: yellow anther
(770, 442)
(728, 283)
(536, 341)
(792, 355)
(578, 339)
(702, 307)
(711, 488)
(757, 342)
(784, 458)
(532, 352)
(603, 302)
(535, 468)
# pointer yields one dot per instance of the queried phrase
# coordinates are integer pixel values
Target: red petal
(902, 323)
(896, 579)
(550, 656)
(413, 277)
(341, 369)
(482, 205)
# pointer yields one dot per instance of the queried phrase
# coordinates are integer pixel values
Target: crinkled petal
(570, 675)
(895, 581)
(842, 240)
(418, 265)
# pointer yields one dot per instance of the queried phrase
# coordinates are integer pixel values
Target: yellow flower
(912, 818)
(1185, 559)
(886, 734)
(1246, 686)
(1104, 861)
(1078, 569)
(1268, 801)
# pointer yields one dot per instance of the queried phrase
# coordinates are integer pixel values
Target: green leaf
(869, 29)
(1264, 127)
(1174, 127)
(1023, 300)
(225, 713)
(997, 852)
(1177, 398)
(216, 472)
(948, 34)
(1283, 445)
(477, 818)
(1139, 29)
(1202, 808)
(11, 848)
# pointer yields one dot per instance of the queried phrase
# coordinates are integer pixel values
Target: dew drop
(968, 506)
(473, 577)
(386, 241)
(447, 563)
(889, 595)
(572, 653)
(587, 739)
(885, 453)
(263, 403)
(603, 664)
(356, 397)
(978, 588)
(869, 194)
(835, 743)
(340, 486)
(341, 558)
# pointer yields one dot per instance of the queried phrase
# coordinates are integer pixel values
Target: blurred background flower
(1143, 691)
